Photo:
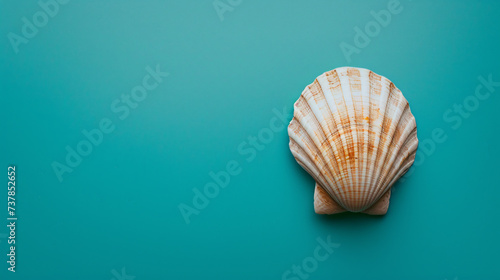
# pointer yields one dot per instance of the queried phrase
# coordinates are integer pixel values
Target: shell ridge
(325, 84)
(375, 87)
(312, 171)
(398, 147)
(360, 131)
(380, 141)
(387, 145)
(405, 167)
(361, 113)
(411, 149)
(406, 162)
(393, 106)
(354, 127)
(351, 147)
(347, 142)
(308, 149)
(318, 143)
(319, 175)
(308, 163)
(378, 128)
(330, 155)
(365, 93)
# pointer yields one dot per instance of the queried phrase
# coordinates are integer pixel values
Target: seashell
(353, 132)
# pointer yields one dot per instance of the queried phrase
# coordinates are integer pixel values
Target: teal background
(119, 207)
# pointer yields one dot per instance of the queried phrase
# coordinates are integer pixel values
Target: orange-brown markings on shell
(403, 161)
(395, 157)
(295, 147)
(311, 146)
(335, 139)
(406, 154)
(389, 125)
(320, 136)
(364, 130)
(408, 158)
(335, 85)
(375, 114)
(377, 162)
(394, 131)
(398, 142)
(330, 129)
(324, 203)
(405, 166)
(403, 123)
(356, 95)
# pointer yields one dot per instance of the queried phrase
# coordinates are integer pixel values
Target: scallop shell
(354, 133)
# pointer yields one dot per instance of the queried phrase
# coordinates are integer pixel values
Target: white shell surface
(354, 133)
